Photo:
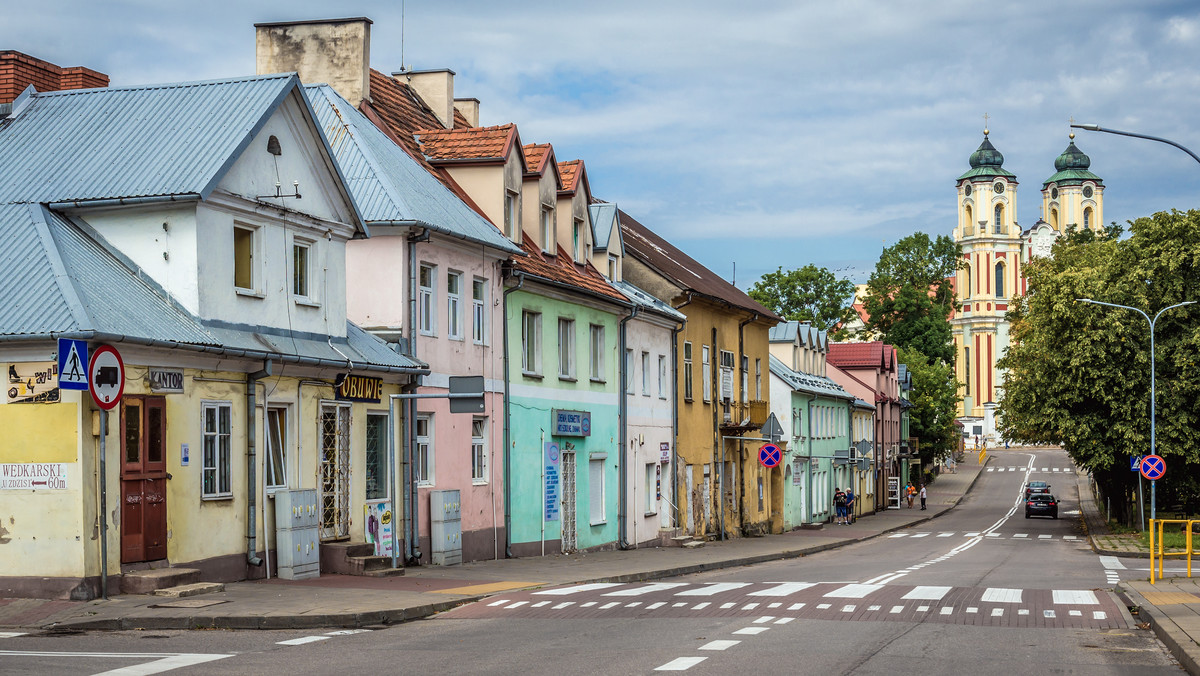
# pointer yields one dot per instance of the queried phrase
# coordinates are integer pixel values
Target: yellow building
(995, 250)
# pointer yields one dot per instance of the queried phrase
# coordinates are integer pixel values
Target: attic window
(273, 146)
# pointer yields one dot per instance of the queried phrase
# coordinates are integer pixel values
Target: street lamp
(1096, 127)
(1152, 322)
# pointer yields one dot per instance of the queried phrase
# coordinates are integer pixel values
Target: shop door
(569, 542)
(143, 479)
(335, 471)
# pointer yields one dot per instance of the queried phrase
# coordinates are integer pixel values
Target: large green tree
(1078, 374)
(910, 295)
(807, 294)
(931, 418)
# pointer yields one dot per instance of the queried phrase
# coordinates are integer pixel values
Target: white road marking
(579, 588)
(783, 589)
(898, 535)
(751, 631)
(944, 535)
(992, 535)
(1049, 614)
(750, 606)
(1075, 613)
(796, 606)
(784, 620)
(681, 664)
(1098, 615)
(1021, 535)
(998, 595)
(848, 608)
(498, 603)
(678, 605)
(646, 589)
(1082, 597)
(1023, 611)
(972, 609)
(948, 610)
(347, 632)
(11, 634)
(726, 606)
(921, 535)
(896, 610)
(713, 588)
(589, 604)
(1069, 537)
(722, 644)
(824, 606)
(654, 606)
(972, 535)
(853, 591)
(774, 605)
(1111, 563)
(926, 593)
(764, 619)
(539, 604)
(997, 612)
(1044, 537)
(518, 604)
(873, 608)
(164, 664)
(701, 606)
(635, 604)
(562, 605)
(302, 640)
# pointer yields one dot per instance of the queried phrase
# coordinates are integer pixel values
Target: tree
(931, 418)
(910, 295)
(807, 294)
(1078, 374)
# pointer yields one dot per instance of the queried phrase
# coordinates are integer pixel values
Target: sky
(752, 135)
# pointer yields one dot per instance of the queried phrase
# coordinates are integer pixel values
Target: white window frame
(706, 372)
(276, 439)
(512, 215)
(651, 489)
(614, 268)
(479, 459)
(629, 370)
(427, 302)
(221, 464)
(305, 294)
(531, 343)
(252, 265)
(687, 371)
(745, 379)
(758, 380)
(423, 454)
(479, 317)
(549, 241)
(454, 306)
(596, 336)
(662, 376)
(645, 374)
(596, 490)
(566, 348)
(580, 240)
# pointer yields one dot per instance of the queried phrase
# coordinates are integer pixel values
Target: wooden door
(143, 479)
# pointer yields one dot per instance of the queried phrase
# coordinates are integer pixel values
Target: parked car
(1035, 487)
(1041, 504)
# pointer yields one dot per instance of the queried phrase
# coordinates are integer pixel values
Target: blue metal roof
(127, 142)
(804, 382)
(387, 184)
(789, 331)
(644, 299)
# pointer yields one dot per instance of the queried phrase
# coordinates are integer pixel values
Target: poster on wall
(550, 492)
(379, 526)
(32, 382)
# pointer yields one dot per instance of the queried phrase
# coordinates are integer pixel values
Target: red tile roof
(563, 270)
(862, 355)
(536, 155)
(399, 107)
(484, 144)
(571, 171)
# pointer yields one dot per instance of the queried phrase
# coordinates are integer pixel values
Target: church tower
(1072, 198)
(991, 242)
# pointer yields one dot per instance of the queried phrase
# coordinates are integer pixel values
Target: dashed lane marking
(302, 640)
(751, 631)
(722, 644)
(681, 664)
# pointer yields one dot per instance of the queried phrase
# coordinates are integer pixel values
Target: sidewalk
(1171, 606)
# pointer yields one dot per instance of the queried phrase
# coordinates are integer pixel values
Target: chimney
(336, 52)
(436, 88)
(18, 71)
(469, 109)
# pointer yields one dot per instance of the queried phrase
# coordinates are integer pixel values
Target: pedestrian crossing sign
(72, 364)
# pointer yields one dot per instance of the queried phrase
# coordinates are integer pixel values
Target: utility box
(297, 541)
(445, 516)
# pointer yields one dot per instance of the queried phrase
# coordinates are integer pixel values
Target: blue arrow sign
(769, 455)
(1153, 467)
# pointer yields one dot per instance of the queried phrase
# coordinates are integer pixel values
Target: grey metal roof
(645, 300)
(388, 184)
(604, 217)
(804, 382)
(789, 331)
(860, 403)
(125, 142)
(784, 332)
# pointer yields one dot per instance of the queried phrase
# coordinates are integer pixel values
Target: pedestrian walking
(839, 505)
(922, 496)
(849, 506)
(910, 493)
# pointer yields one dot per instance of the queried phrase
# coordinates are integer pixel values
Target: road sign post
(1153, 468)
(106, 382)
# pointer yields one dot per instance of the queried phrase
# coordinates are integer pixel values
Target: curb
(1167, 630)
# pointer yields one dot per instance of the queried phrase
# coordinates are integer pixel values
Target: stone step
(681, 540)
(693, 544)
(194, 589)
(146, 581)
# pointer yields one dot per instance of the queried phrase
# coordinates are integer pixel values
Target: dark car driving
(1041, 504)
(1035, 487)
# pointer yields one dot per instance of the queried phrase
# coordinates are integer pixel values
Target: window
(969, 223)
(427, 311)
(548, 242)
(276, 431)
(217, 471)
(651, 488)
(479, 450)
(244, 256)
(579, 238)
(424, 459)
(687, 371)
(511, 216)
(597, 357)
(300, 268)
(645, 374)
(531, 343)
(662, 376)
(1087, 218)
(999, 280)
(967, 369)
(706, 373)
(967, 272)
(745, 379)
(758, 380)
(566, 348)
(479, 311)
(596, 491)
(726, 392)
(377, 456)
(454, 305)
(612, 268)
(629, 370)
(998, 217)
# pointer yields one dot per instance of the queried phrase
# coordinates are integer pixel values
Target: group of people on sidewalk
(843, 502)
(911, 493)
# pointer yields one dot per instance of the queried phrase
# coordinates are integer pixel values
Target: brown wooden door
(143, 479)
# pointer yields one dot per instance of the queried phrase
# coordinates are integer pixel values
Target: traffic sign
(769, 455)
(1135, 463)
(106, 377)
(72, 364)
(1153, 467)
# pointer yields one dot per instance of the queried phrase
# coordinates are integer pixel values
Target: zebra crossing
(1033, 470)
(785, 602)
(989, 535)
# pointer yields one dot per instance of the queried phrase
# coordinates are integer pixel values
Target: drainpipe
(623, 435)
(251, 462)
(412, 532)
(741, 449)
(675, 416)
(718, 442)
(507, 441)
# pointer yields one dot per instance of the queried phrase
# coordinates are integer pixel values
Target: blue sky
(764, 134)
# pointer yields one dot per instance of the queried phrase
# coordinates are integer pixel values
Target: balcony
(736, 415)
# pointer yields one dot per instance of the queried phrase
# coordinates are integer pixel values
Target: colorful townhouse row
(302, 271)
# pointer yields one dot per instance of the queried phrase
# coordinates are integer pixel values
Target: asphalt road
(980, 590)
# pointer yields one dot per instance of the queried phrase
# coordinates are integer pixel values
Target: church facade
(995, 250)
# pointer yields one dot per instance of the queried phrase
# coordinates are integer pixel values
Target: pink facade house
(869, 372)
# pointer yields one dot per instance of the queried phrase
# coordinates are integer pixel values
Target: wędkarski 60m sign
(33, 476)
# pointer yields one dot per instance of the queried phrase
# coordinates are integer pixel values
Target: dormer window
(548, 241)
(579, 240)
(511, 216)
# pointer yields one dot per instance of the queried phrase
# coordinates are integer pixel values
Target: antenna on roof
(402, 67)
(734, 282)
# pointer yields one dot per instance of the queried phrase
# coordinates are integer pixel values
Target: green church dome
(1072, 158)
(987, 162)
(1071, 168)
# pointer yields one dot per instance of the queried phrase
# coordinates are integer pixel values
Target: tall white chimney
(436, 88)
(336, 52)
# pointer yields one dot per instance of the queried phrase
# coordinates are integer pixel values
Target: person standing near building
(922, 496)
(849, 506)
(839, 505)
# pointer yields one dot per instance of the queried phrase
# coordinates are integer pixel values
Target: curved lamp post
(1096, 127)
(1152, 322)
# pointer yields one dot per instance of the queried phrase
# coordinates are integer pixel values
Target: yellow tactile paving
(473, 589)
(1168, 598)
